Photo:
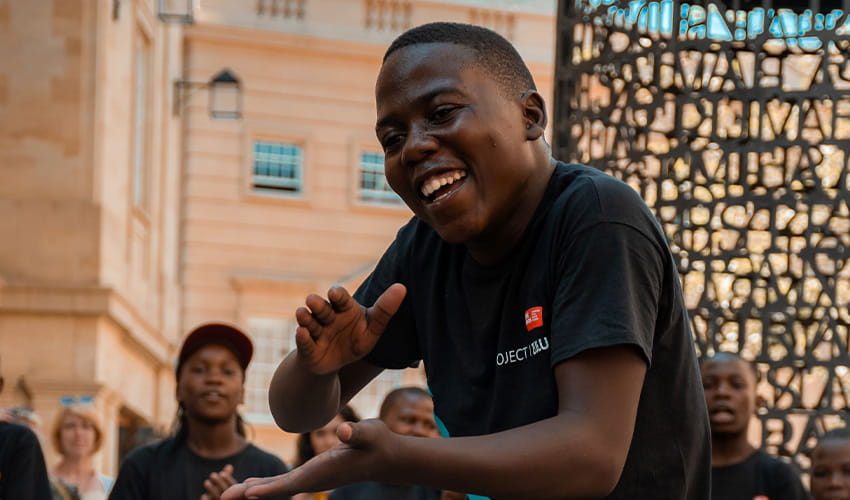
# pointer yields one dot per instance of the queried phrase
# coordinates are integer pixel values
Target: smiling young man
(208, 452)
(739, 470)
(541, 296)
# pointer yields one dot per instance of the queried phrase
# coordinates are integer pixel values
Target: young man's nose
(418, 145)
(838, 480)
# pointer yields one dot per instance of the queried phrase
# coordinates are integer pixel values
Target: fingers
(227, 475)
(306, 320)
(304, 341)
(215, 485)
(218, 482)
(235, 492)
(359, 435)
(241, 491)
(340, 299)
(385, 307)
(322, 310)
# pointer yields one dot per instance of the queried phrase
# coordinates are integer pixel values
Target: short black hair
(731, 356)
(837, 434)
(495, 54)
(392, 397)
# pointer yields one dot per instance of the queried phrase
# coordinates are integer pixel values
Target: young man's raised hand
(336, 332)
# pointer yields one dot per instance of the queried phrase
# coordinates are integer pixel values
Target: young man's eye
(391, 141)
(442, 113)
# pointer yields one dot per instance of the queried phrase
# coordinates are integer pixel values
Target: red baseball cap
(223, 334)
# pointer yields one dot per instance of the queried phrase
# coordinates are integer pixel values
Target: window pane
(277, 166)
(373, 185)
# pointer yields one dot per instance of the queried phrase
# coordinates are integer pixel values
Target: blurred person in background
(77, 436)
(319, 441)
(408, 411)
(739, 471)
(23, 474)
(209, 450)
(831, 466)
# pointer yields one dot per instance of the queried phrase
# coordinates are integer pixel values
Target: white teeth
(435, 183)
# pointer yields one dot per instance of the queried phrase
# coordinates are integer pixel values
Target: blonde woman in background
(319, 441)
(77, 436)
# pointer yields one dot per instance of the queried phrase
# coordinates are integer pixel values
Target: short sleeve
(132, 480)
(397, 348)
(608, 287)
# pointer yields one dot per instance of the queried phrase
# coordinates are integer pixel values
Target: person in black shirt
(209, 451)
(831, 466)
(740, 471)
(542, 298)
(23, 473)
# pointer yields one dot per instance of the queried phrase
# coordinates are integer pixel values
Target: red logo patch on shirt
(533, 318)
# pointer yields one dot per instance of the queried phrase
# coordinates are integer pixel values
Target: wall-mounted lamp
(176, 11)
(225, 94)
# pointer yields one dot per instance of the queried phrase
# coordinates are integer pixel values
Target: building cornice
(98, 302)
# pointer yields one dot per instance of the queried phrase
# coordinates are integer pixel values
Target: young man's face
(210, 385)
(456, 147)
(730, 394)
(412, 416)
(831, 470)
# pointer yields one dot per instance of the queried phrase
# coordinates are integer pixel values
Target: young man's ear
(534, 114)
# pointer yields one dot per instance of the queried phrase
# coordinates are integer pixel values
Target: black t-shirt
(592, 269)
(169, 470)
(759, 477)
(23, 474)
(371, 490)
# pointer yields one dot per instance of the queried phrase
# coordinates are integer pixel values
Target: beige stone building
(129, 213)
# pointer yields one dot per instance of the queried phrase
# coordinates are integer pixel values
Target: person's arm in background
(579, 453)
(326, 369)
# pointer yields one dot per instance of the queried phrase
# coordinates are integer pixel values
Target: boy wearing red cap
(208, 451)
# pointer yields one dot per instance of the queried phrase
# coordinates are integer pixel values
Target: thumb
(379, 315)
(227, 470)
(356, 435)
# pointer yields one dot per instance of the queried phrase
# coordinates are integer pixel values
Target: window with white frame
(278, 166)
(273, 338)
(141, 105)
(368, 400)
(373, 184)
